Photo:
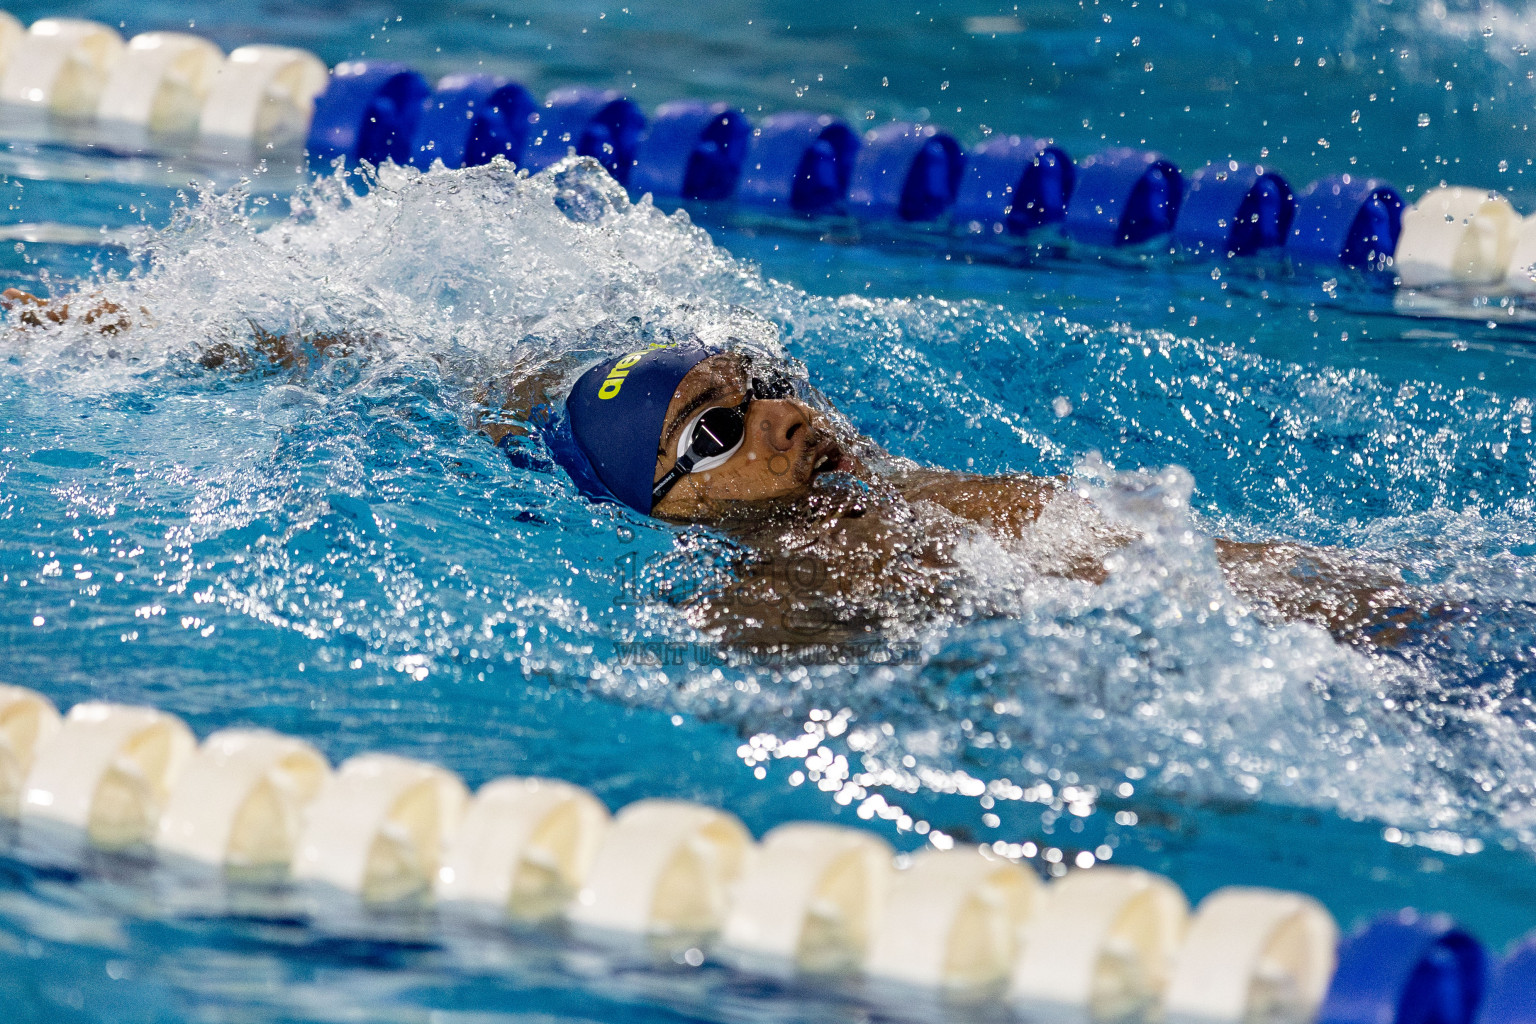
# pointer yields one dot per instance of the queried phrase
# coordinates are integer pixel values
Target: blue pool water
(340, 556)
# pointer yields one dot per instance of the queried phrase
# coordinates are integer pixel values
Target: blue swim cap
(606, 437)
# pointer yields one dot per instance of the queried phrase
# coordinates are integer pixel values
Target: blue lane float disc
(1407, 969)
(1348, 220)
(1124, 197)
(693, 150)
(600, 123)
(799, 162)
(906, 171)
(1512, 989)
(471, 119)
(1233, 209)
(369, 112)
(1014, 185)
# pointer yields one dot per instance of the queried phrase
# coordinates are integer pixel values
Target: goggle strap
(681, 468)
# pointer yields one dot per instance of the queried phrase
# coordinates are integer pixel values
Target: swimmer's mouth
(827, 458)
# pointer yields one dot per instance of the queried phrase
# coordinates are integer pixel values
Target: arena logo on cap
(615, 379)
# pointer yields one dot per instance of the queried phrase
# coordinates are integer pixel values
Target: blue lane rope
(1349, 220)
(369, 112)
(1234, 209)
(804, 164)
(600, 123)
(908, 172)
(798, 164)
(1407, 969)
(1014, 185)
(471, 120)
(692, 151)
(1124, 197)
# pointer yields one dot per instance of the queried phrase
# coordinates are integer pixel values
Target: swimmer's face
(785, 445)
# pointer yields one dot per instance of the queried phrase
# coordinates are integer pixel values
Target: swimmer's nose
(781, 421)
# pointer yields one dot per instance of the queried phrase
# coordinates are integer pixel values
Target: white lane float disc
(240, 803)
(1521, 274)
(61, 66)
(1253, 954)
(160, 82)
(108, 771)
(808, 898)
(525, 847)
(379, 825)
(27, 720)
(953, 920)
(1456, 235)
(11, 32)
(264, 93)
(664, 867)
(1100, 946)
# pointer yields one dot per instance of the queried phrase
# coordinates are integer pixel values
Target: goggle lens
(718, 431)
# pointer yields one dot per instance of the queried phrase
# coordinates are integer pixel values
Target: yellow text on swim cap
(615, 378)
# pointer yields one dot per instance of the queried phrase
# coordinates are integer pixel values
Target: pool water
(339, 555)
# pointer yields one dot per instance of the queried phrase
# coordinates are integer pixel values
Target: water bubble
(289, 404)
(584, 192)
(1423, 120)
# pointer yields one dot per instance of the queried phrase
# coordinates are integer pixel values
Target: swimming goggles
(707, 442)
(710, 439)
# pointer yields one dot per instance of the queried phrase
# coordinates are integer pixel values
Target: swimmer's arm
(1344, 593)
(515, 394)
(1351, 597)
(1009, 506)
(30, 311)
(290, 351)
(1006, 504)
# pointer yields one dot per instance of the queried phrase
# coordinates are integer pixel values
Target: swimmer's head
(673, 431)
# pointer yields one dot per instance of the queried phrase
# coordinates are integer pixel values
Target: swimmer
(845, 533)
(842, 538)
